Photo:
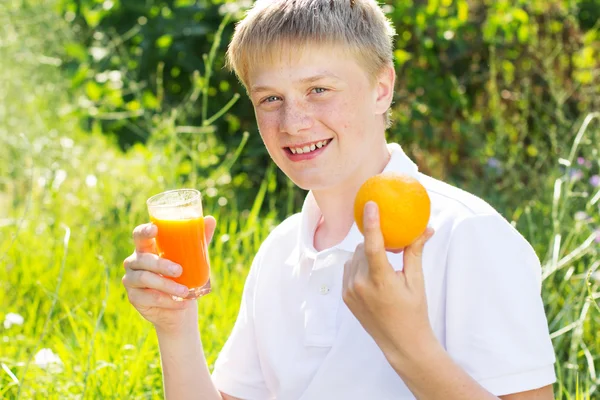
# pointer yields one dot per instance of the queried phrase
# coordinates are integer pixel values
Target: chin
(312, 182)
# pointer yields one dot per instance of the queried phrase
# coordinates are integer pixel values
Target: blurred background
(104, 103)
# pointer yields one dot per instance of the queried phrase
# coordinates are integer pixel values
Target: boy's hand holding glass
(170, 262)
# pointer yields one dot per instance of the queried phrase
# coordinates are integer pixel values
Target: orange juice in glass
(178, 216)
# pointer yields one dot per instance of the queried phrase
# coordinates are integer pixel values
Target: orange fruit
(404, 207)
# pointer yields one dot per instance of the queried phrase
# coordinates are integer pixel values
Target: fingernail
(175, 269)
(371, 210)
(147, 229)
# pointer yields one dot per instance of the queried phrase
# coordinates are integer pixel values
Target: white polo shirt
(296, 339)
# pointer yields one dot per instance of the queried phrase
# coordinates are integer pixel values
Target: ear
(385, 89)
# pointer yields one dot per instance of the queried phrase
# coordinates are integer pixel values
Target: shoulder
(467, 221)
(452, 206)
(447, 198)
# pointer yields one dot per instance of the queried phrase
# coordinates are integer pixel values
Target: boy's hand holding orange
(391, 305)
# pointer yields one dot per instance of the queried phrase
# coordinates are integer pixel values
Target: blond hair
(273, 28)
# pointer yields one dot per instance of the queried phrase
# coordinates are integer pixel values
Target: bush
(476, 80)
(490, 91)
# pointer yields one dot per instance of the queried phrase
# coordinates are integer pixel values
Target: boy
(327, 313)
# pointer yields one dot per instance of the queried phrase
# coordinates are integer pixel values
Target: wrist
(180, 343)
(406, 355)
(184, 327)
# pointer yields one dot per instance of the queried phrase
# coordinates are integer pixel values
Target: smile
(310, 147)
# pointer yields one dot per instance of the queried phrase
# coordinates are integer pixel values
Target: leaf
(523, 33)
(532, 151)
(463, 11)
(432, 7)
(149, 100)
(80, 76)
(520, 15)
(76, 51)
(164, 41)
(584, 77)
(133, 105)
(92, 17)
(402, 56)
(93, 90)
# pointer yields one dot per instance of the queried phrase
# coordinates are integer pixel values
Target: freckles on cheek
(267, 124)
(337, 114)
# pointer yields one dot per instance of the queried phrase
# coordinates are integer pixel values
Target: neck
(337, 203)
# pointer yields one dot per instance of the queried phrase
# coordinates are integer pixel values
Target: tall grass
(69, 200)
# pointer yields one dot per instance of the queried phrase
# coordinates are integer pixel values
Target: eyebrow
(303, 81)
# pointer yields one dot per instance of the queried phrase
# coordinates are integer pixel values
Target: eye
(270, 99)
(319, 90)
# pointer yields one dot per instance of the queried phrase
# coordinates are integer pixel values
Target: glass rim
(197, 196)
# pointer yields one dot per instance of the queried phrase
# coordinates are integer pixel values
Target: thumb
(413, 257)
(374, 243)
(210, 224)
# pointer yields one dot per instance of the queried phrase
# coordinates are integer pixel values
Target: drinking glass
(180, 239)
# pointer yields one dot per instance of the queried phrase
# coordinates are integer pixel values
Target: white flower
(12, 319)
(115, 76)
(46, 358)
(91, 180)
(59, 178)
(98, 53)
(101, 77)
(66, 142)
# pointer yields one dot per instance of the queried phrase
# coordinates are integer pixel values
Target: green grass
(69, 200)
(62, 247)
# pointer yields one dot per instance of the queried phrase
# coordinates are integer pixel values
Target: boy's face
(320, 116)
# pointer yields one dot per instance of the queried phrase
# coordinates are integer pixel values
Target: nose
(296, 118)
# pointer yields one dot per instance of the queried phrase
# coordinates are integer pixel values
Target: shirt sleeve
(496, 327)
(237, 369)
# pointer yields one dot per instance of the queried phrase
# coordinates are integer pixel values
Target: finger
(210, 224)
(136, 279)
(143, 237)
(348, 273)
(153, 298)
(153, 263)
(374, 244)
(413, 258)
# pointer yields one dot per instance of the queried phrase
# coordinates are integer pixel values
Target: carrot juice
(180, 239)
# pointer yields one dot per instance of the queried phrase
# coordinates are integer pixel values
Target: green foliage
(488, 90)
(117, 100)
(155, 69)
(476, 80)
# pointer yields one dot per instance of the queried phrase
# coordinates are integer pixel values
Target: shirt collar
(310, 215)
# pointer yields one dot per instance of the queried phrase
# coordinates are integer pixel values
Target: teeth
(308, 149)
